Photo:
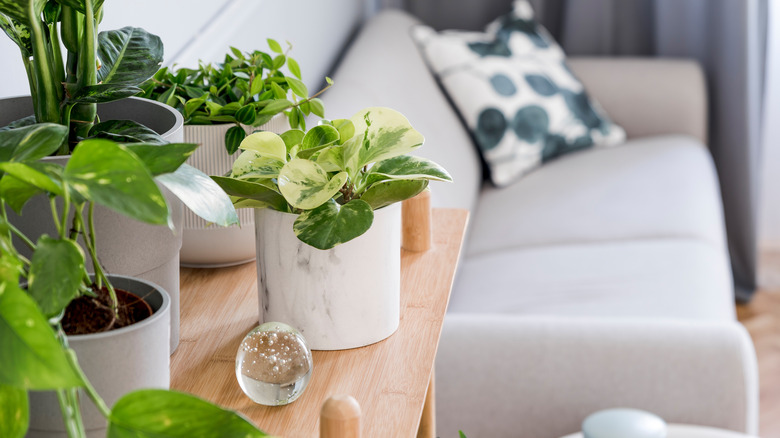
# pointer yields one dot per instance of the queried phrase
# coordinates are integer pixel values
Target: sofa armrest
(539, 377)
(648, 96)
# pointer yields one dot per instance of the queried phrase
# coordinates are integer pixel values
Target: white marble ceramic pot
(206, 245)
(115, 362)
(340, 298)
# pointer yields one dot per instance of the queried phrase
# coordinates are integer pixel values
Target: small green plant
(99, 67)
(334, 176)
(34, 352)
(246, 89)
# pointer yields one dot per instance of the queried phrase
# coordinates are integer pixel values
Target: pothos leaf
(332, 224)
(305, 185)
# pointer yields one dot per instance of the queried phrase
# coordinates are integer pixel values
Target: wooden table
(389, 379)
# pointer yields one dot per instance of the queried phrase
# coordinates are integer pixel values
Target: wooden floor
(761, 317)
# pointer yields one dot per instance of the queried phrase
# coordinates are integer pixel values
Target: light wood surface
(388, 379)
(428, 421)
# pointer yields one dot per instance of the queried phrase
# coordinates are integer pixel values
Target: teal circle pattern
(503, 84)
(541, 84)
(531, 123)
(491, 126)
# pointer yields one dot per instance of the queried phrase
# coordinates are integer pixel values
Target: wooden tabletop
(389, 379)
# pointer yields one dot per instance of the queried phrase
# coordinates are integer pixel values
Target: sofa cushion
(384, 68)
(662, 187)
(514, 92)
(643, 278)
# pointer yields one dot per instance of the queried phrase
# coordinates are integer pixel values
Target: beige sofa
(601, 279)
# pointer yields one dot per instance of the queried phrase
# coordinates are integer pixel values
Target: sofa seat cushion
(384, 68)
(654, 278)
(662, 187)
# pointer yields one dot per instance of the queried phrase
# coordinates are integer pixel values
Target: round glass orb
(273, 364)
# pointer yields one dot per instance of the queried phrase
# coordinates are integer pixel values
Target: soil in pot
(88, 314)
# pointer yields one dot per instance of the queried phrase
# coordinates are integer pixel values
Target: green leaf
(278, 61)
(109, 174)
(278, 91)
(387, 133)
(292, 137)
(56, 274)
(18, 33)
(408, 167)
(295, 69)
(267, 144)
(31, 143)
(201, 194)
(276, 106)
(389, 192)
(332, 224)
(14, 412)
(252, 190)
(331, 159)
(293, 119)
(32, 176)
(31, 357)
(129, 56)
(163, 158)
(16, 192)
(79, 5)
(274, 45)
(256, 87)
(298, 87)
(252, 164)
(102, 93)
(317, 107)
(125, 131)
(157, 413)
(22, 10)
(305, 185)
(320, 136)
(246, 114)
(346, 129)
(233, 138)
(461, 434)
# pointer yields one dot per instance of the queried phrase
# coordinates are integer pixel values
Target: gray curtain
(728, 38)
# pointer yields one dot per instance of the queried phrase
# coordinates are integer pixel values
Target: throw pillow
(515, 93)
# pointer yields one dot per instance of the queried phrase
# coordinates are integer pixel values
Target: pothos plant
(98, 67)
(334, 176)
(246, 89)
(34, 352)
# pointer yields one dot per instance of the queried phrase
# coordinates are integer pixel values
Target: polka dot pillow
(515, 93)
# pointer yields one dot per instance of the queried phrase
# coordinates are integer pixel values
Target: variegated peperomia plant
(335, 175)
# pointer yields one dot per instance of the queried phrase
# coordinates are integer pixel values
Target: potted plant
(221, 104)
(123, 338)
(66, 88)
(327, 221)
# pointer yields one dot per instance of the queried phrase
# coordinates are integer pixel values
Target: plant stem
(83, 115)
(47, 109)
(88, 388)
(100, 276)
(71, 412)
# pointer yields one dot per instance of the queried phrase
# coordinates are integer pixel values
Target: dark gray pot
(115, 362)
(124, 246)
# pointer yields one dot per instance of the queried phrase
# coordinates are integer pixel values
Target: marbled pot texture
(340, 298)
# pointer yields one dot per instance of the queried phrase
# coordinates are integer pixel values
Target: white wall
(201, 29)
(769, 225)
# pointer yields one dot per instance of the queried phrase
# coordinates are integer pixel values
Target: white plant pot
(116, 362)
(124, 246)
(206, 245)
(340, 298)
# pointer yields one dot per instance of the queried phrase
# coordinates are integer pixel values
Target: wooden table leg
(427, 427)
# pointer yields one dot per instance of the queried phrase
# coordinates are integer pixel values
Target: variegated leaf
(266, 144)
(387, 134)
(332, 224)
(251, 164)
(408, 167)
(305, 185)
(19, 34)
(389, 192)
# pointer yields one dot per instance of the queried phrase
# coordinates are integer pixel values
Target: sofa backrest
(383, 67)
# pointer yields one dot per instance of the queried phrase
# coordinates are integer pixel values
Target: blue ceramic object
(623, 423)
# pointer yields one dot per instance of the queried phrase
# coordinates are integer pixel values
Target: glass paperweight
(273, 364)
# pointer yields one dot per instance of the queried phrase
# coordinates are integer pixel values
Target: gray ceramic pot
(125, 246)
(116, 362)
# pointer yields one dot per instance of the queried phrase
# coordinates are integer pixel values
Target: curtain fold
(727, 37)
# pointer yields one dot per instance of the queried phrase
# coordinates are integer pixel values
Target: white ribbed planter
(116, 362)
(340, 298)
(206, 245)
